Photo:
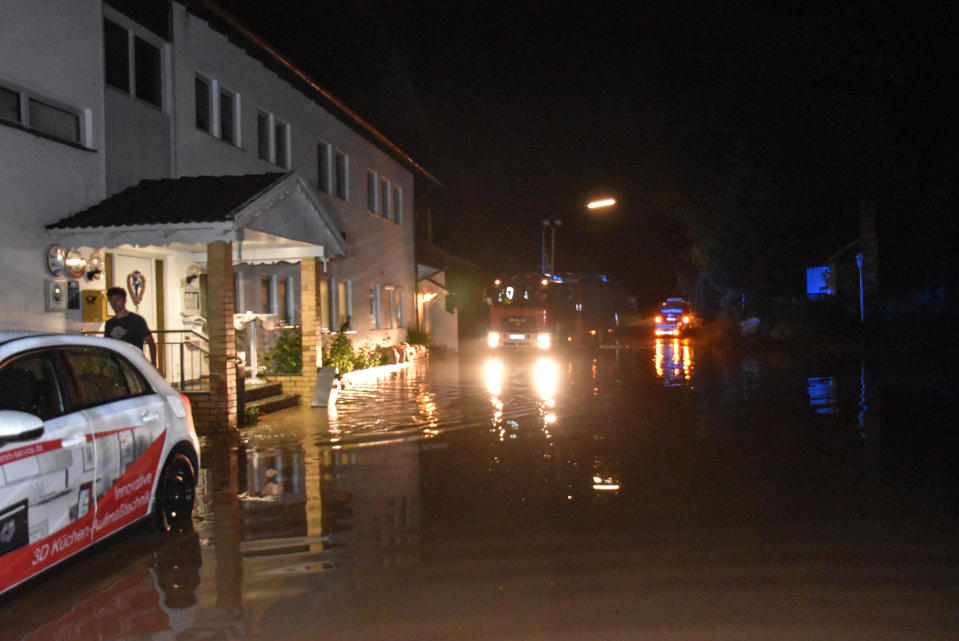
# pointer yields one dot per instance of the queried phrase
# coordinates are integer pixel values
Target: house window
(371, 191)
(397, 204)
(281, 138)
(9, 105)
(228, 109)
(385, 199)
(284, 297)
(323, 167)
(202, 103)
(399, 298)
(342, 305)
(42, 115)
(57, 122)
(144, 73)
(389, 304)
(268, 294)
(342, 176)
(375, 307)
(217, 110)
(263, 135)
(324, 317)
(116, 44)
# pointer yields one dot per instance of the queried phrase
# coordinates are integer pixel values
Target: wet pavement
(662, 492)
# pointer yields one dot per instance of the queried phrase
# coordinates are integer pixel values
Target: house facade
(165, 148)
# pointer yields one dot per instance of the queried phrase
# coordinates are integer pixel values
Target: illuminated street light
(599, 204)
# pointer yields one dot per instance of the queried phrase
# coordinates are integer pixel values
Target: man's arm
(153, 348)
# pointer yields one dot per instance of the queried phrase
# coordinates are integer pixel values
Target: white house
(165, 148)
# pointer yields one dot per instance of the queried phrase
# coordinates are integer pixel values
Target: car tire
(176, 494)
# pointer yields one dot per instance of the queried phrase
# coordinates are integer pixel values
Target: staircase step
(261, 391)
(274, 403)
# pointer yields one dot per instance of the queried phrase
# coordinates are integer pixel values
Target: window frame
(372, 181)
(341, 174)
(79, 396)
(264, 136)
(25, 120)
(133, 35)
(60, 384)
(397, 203)
(282, 144)
(234, 125)
(324, 165)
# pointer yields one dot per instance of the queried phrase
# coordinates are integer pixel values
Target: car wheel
(176, 494)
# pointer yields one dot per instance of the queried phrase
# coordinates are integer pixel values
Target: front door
(137, 276)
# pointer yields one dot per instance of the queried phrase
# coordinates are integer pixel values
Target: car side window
(135, 381)
(99, 376)
(29, 384)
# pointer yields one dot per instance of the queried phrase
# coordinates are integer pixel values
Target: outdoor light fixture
(95, 265)
(192, 273)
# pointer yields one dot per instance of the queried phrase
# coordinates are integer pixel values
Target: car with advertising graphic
(92, 440)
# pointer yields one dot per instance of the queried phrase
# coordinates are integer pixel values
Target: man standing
(127, 326)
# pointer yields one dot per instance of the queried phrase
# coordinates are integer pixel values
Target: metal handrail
(188, 339)
(188, 369)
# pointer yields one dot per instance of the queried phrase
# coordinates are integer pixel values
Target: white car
(92, 439)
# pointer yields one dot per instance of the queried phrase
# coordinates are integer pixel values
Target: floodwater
(663, 492)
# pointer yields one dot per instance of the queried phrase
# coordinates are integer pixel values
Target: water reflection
(154, 598)
(301, 519)
(673, 361)
(823, 394)
(528, 419)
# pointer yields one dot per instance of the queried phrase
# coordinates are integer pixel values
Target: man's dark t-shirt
(130, 328)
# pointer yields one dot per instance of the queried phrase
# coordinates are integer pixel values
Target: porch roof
(275, 215)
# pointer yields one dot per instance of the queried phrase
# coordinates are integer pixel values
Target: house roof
(191, 199)
(239, 34)
(275, 216)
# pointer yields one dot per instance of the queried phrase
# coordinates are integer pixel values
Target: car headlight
(543, 340)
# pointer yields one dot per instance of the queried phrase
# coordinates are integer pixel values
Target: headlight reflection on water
(546, 379)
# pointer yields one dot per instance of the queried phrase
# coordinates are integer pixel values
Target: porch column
(220, 309)
(309, 316)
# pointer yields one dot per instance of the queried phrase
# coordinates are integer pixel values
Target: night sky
(526, 110)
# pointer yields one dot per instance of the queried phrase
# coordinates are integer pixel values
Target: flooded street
(661, 492)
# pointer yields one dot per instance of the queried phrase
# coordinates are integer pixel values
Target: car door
(128, 420)
(46, 474)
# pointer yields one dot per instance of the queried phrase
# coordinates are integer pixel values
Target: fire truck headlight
(492, 339)
(686, 320)
(543, 340)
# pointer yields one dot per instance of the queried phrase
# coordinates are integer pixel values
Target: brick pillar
(309, 310)
(219, 309)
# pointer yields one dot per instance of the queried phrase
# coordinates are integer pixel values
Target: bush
(416, 336)
(286, 356)
(367, 355)
(338, 352)
(251, 416)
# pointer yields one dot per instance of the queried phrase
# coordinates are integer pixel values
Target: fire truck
(548, 311)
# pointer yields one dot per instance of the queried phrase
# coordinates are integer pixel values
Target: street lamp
(553, 222)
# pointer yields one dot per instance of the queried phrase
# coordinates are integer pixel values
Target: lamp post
(553, 222)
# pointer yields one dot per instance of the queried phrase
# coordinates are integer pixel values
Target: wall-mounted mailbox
(94, 303)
